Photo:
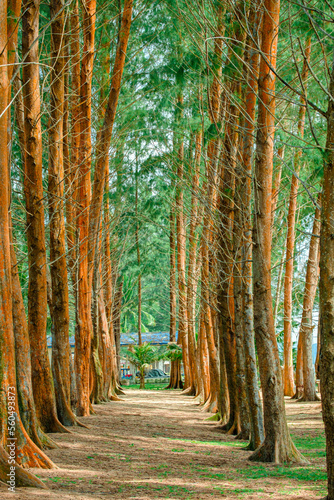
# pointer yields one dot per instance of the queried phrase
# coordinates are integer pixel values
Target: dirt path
(159, 445)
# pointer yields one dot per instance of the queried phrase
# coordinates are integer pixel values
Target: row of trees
(204, 186)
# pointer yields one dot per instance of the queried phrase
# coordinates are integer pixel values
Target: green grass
(299, 473)
(236, 444)
(148, 386)
(310, 442)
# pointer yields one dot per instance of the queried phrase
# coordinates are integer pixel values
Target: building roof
(155, 338)
(72, 341)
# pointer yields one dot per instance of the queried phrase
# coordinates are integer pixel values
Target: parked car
(154, 373)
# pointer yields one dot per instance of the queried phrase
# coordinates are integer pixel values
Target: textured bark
(327, 293)
(138, 261)
(225, 248)
(175, 381)
(181, 261)
(26, 452)
(290, 243)
(254, 403)
(306, 328)
(191, 285)
(23, 364)
(103, 143)
(33, 188)
(58, 267)
(277, 446)
(84, 327)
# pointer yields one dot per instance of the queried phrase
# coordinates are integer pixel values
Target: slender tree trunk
(138, 261)
(58, 267)
(290, 244)
(84, 327)
(26, 452)
(327, 293)
(22, 343)
(33, 187)
(103, 143)
(175, 381)
(306, 329)
(277, 446)
(254, 403)
(181, 262)
(191, 295)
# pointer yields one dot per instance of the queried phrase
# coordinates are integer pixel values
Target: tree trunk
(138, 260)
(327, 293)
(58, 267)
(12, 432)
(103, 143)
(306, 328)
(175, 381)
(181, 262)
(84, 327)
(277, 446)
(290, 243)
(191, 295)
(33, 187)
(252, 388)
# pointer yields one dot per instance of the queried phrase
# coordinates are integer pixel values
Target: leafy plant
(142, 356)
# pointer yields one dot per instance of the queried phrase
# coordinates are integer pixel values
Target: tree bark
(290, 242)
(33, 187)
(327, 293)
(252, 388)
(84, 327)
(277, 446)
(58, 265)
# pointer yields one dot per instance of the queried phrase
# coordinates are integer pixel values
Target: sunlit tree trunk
(306, 328)
(191, 295)
(327, 292)
(103, 142)
(175, 381)
(33, 188)
(84, 327)
(277, 446)
(181, 250)
(26, 452)
(58, 267)
(290, 243)
(254, 403)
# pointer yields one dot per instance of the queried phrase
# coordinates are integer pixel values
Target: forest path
(159, 445)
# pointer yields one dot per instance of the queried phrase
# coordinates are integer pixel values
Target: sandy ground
(159, 445)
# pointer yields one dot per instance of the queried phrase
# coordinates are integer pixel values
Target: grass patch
(310, 442)
(237, 444)
(148, 386)
(299, 473)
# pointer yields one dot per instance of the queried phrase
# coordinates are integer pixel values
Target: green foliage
(142, 356)
(173, 352)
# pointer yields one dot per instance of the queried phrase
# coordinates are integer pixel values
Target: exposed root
(306, 399)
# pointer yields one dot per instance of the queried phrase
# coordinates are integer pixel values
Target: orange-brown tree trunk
(191, 285)
(181, 248)
(277, 445)
(290, 244)
(254, 403)
(327, 293)
(104, 139)
(175, 381)
(84, 327)
(58, 267)
(33, 188)
(306, 328)
(12, 432)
